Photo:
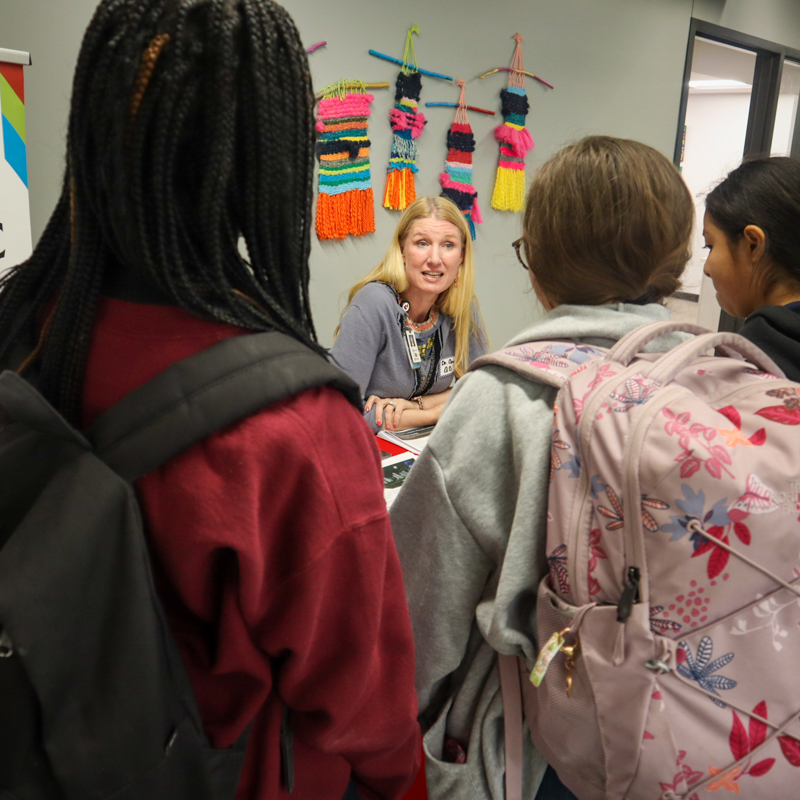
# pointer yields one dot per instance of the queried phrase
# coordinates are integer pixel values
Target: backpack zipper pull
(630, 595)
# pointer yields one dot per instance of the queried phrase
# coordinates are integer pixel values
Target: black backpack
(94, 697)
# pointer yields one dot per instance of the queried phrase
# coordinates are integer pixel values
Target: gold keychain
(570, 654)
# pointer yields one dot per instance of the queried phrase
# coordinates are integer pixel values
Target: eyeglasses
(517, 245)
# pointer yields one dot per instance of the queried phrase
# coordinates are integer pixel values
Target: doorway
(740, 99)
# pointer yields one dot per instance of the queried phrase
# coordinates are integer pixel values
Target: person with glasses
(412, 325)
(605, 238)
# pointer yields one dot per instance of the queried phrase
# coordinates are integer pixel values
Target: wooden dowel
(402, 64)
(355, 85)
(509, 69)
(455, 105)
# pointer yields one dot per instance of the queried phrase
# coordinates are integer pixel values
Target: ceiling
(715, 61)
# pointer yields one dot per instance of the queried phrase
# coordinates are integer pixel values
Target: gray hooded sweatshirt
(470, 527)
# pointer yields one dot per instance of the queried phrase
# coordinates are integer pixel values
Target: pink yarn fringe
(519, 141)
(476, 212)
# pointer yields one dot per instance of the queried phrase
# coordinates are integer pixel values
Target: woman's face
(730, 267)
(432, 253)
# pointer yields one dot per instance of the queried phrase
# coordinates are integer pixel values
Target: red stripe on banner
(460, 127)
(16, 80)
(459, 155)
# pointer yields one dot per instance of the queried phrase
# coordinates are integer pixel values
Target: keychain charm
(546, 655)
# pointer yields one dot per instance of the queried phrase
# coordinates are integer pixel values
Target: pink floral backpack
(669, 624)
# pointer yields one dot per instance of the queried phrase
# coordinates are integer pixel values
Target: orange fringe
(400, 189)
(351, 212)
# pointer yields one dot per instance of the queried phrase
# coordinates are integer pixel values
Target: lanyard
(423, 384)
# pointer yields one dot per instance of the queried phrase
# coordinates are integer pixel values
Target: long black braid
(191, 125)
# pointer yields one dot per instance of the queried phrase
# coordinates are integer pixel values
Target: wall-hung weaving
(514, 139)
(456, 179)
(345, 205)
(407, 123)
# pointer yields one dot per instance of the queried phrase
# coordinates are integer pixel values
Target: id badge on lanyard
(414, 357)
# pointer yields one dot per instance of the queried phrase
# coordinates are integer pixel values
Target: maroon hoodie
(278, 572)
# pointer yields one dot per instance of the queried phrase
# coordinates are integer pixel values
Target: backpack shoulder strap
(195, 397)
(550, 362)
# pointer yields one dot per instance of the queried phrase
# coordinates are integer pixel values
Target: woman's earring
(455, 282)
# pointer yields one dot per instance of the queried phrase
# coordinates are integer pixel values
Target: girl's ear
(754, 239)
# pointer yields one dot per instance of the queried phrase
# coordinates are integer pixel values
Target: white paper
(395, 471)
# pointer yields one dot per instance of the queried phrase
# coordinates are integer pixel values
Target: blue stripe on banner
(345, 187)
(401, 165)
(336, 135)
(516, 90)
(357, 172)
(15, 151)
(515, 119)
(460, 175)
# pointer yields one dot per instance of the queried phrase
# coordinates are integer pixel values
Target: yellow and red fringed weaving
(345, 205)
(401, 189)
(514, 139)
(407, 124)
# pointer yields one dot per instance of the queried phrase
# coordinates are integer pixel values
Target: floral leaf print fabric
(647, 518)
(693, 438)
(693, 506)
(742, 742)
(720, 521)
(790, 747)
(558, 569)
(757, 499)
(788, 413)
(734, 436)
(614, 513)
(767, 614)
(638, 390)
(700, 668)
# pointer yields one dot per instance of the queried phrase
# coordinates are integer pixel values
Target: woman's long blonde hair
(458, 302)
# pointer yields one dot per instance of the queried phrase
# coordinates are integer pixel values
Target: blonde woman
(412, 325)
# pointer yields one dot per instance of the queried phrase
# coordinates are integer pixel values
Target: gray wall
(773, 20)
(617, 67)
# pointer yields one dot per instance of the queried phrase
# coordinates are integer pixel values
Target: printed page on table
(395, 471)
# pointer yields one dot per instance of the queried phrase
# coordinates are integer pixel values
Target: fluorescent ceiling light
(719, 84)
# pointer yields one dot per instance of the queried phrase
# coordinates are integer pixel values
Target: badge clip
(413, 351)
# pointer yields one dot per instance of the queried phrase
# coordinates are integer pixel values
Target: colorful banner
(15, 218)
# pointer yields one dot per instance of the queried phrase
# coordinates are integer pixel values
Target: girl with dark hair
(752, 230)
(605, 237)
(191, 125)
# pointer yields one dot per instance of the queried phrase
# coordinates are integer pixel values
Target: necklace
(425, 325)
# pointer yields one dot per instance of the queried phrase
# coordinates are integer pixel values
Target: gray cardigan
(371, 350)
(470, 526)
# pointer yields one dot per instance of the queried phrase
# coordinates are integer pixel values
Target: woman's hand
(388, 410)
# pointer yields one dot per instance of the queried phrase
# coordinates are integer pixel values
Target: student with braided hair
(191, 125)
